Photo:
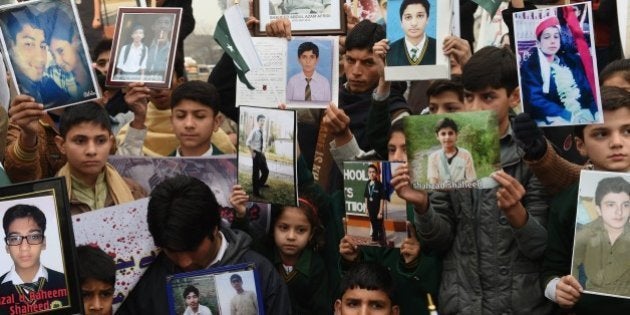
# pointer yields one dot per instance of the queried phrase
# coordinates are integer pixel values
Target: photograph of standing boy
(308, 85)
(28, 282)
(601, 255)
(255, 143)
(132, 58)
(375, 203)
(451, 163)
(416, 47)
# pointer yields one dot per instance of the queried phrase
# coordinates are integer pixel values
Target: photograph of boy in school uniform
(310, 81)
(416, 44)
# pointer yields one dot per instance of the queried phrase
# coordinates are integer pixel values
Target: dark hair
(406, 3)
(136, 27)
(90, 112)
(16, 21)
(63, 27)
(182, 212)
(364, 35)
(259, 117)
(373, 166)
(190, 289)
(102, 46)
(178, 66)
(308, 46)
(397, 126)
(490, 67)
(198, 91)
(95, 264)
(446, 123)
(616, 67)
(236, 277)
(437, 87)
(23, 211)
(613, 98)
(369, 276)
(310, 212)
(610, 185)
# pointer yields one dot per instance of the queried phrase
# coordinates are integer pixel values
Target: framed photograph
(143, 49)
(266, 154)
(372, 10)
(45, 281)
(225, 290)
(99, 17)
(375, 215)
(455, 150)
(415, 32)
(301, 73)
(46, 53)
(600, 246)
(308, 17)
(557, 66)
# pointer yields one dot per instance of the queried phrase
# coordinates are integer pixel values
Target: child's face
(65, 54)
(194, 124)
(445, 102)
(397, 148)
(97, 297)
(414, 20)
(137, 35)
(447, 137)
(615, 210)
(497, 100)
(618, 81)
(607, 145)
(308, 61)
(550, 41)
(291, 233)
(86, 147)
(25, 256)
(372, 173)
(357, 301)
(192, 300)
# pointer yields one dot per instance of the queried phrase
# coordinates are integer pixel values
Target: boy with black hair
(366, 288)
(183, 218)
(86, 141)
(493, 239)
(29, 285)
(607, 146)
(451, 163)
(416, 47)
(308, 84)
(191, 296)
(445, 96)
(195, 107)
(97, 277)
(132, 58)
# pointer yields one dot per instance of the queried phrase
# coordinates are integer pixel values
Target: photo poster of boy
(122, 232)
(601, 248)
(224, 290)
(455, 150)
(415, 32)
(557, 66)
(267, 165)
(32, 271)
(46, 53)
(143, 49)
(98, 17)
(375, 215)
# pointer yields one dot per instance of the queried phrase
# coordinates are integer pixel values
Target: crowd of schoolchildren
(505, 250)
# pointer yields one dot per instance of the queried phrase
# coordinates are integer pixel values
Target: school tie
(414, 54)
(307, 90)
(33, 286)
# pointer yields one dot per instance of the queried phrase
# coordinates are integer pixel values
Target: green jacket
(4, 179)
(557, 257)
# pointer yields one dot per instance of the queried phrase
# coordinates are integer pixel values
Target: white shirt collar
(206, 154)
(222, 249)
(15, 278)
(420, 45)
(545, 69)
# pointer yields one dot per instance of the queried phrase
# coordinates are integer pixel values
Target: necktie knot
(414, 54)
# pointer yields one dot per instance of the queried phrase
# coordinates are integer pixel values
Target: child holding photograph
(86, 140)
(450, 164)
(607, 147)
(416, 47)
(132, 58)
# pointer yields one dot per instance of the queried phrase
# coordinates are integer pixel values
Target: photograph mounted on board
(456, 150)
(46, 52)
(143, 49)
(372, 10)
(555, 51)
(601, 246)
(375, 215)
(266, 154)
(225, 290)
(308, 17)
(415, 32)
(99, 17)
(38, 272)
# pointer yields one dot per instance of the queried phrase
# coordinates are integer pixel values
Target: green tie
(414, 54)
(307, 90)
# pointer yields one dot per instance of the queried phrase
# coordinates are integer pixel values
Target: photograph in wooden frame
(308, 17)
(34, 207)
(46, 53)
(144, 46)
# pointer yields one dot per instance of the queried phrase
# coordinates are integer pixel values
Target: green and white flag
(489, 5)
(232, 35)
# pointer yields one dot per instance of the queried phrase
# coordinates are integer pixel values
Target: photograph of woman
(558, 82)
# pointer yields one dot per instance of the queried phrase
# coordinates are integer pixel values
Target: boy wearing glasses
(29, 286)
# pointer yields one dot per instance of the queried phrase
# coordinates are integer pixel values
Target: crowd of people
(502, 250)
